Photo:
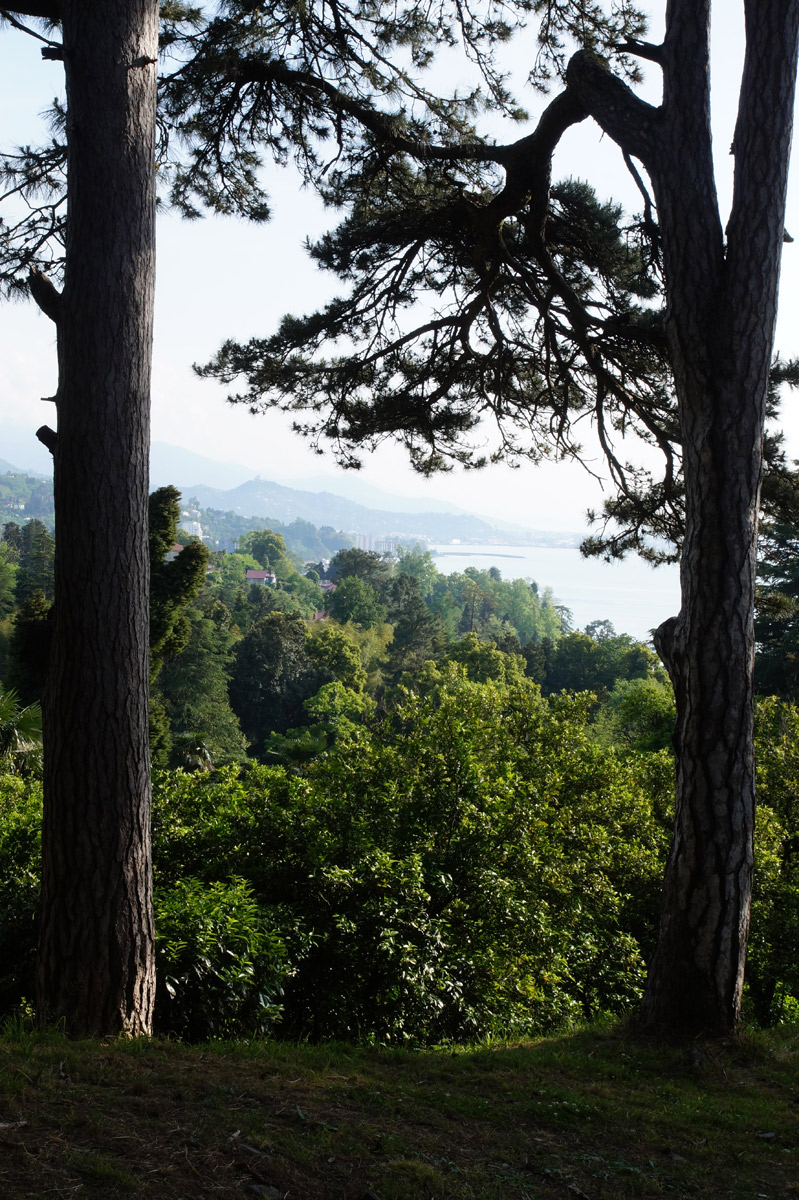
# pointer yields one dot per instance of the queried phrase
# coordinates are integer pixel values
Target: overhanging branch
(383, 126)
(630, 121)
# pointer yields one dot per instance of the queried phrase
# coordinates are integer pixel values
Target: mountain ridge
(264, 498)
(258, 498)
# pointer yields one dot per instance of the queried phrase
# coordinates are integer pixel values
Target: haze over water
(633, 595)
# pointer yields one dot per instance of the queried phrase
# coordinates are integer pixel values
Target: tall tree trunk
(722, 305)
(96, 966)
(696, 977)
(720, 326)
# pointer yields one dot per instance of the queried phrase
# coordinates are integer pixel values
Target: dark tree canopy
(273, 675)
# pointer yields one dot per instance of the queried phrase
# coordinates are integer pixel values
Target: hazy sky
(219, 278)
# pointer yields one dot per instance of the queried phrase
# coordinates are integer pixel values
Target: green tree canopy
(419, 635)
(35, 548)
(193, 688)
(266, 547)
(334, 650)
(355, 600)
(273, 675)
(366, 565)
(8, 572)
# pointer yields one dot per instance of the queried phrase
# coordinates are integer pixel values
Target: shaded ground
(594, 1114)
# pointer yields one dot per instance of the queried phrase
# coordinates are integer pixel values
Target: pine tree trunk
(696, 977)
(721, 311)
(96, 966)
(722, 303)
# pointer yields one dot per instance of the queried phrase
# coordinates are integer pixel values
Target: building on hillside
(266, 577)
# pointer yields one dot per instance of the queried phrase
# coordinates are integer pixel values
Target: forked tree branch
(631, 122)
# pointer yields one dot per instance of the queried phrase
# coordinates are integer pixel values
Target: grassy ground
(592, 1114)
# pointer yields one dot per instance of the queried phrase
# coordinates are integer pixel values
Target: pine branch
(381, 125)
(49, 45)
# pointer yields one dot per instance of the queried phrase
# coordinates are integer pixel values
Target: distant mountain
(179, 467)
(343, 501)
(185, 469)
(262, 498)
(7, 468)
(351, 486)
(194, 474)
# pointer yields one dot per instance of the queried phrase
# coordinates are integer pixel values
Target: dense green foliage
(174, 582)
(20, 849)
(221, 963)
(20, 734)
(26, 595)
(193, 687)
(476, 860)
(772, 966)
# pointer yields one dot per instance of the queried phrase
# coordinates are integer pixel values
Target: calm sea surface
(631, 594)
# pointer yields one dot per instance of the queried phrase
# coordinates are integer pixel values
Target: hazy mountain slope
(344, 502)
(260, 497)
(183, 468)
(7, 468)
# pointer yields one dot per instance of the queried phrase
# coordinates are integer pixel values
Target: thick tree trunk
(96, 967)
(720, 327)
(696, 976)
(722, 314)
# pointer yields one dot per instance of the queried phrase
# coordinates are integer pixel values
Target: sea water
(631, 594)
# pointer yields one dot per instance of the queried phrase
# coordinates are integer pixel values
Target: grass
(594, 1114)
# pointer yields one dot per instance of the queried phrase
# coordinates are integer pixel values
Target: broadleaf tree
(478, 287)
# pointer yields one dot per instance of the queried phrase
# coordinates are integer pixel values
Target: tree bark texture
(96, 963)
(721, 310)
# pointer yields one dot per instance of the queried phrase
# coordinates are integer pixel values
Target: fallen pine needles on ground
(592, 1114)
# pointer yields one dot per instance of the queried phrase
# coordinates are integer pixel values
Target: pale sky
(220, 278)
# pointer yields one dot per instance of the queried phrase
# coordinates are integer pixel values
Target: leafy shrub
(772, 969)
(475, 864)
(220, 962)
(20, 851)
(638, 714)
